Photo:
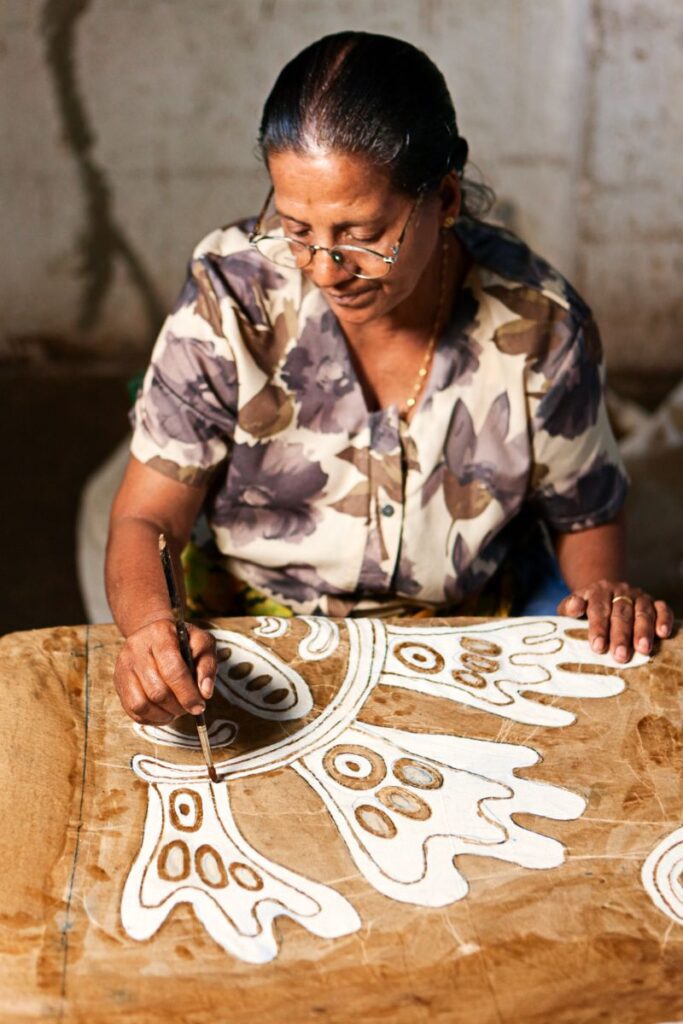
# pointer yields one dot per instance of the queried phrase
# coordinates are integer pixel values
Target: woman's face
(336, 198)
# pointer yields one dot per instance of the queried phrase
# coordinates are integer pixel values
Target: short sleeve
(184, 416)
(578, 478)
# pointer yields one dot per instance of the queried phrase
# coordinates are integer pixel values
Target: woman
(369, 393)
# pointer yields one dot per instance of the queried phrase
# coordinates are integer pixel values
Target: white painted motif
(222, 732)
(405, 803)
(322, 639)
(271, 626)
(254, 678)
(367, 647)
(491, 666)
(662, 875)
(193, 852)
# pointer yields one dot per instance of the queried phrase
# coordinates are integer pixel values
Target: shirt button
(388, 510)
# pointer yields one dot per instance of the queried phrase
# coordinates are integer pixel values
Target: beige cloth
(526, 942)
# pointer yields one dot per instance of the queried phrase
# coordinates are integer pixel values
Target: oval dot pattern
(359, 767)
(479, 662)
(479, 645)
(419, 656)
(256, 682)
(174, 861)
(410, 805)
(414, 773)
(474, 680)
(376, 821)
(185, 809)
(354, 766)
(245, 877)
(177, 863)
(210, 868)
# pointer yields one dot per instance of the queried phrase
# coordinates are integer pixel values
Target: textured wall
(127, 131)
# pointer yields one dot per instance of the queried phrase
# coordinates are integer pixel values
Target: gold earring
(449, 222)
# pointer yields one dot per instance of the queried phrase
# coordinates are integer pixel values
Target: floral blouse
(330, 507)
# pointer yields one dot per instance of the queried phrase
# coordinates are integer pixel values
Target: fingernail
(621, 654)
(644, 646)
(197, 708)
(662, 630)
(598, 644)
(206, 687)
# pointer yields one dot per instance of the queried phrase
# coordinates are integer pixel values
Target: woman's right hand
(152, 680)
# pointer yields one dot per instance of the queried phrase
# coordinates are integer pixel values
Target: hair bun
(459, 154)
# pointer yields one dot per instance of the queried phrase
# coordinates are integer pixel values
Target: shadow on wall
(102, 241)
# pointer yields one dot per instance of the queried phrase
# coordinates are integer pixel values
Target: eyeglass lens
(287, 252)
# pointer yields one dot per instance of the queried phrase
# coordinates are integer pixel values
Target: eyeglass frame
(255, 237)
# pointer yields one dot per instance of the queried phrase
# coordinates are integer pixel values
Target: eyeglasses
(354, 259)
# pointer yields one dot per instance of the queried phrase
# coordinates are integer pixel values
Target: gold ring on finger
(623, 597)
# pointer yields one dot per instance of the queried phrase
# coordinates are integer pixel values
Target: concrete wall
(127, 131)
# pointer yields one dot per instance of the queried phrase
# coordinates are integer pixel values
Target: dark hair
(357, 92)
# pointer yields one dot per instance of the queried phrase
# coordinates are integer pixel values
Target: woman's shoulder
(516, 275)
(225, 261)
(226, 241)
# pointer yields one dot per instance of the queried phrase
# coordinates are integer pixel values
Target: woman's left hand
(620, 617)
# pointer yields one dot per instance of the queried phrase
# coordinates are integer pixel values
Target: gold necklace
(426, 363)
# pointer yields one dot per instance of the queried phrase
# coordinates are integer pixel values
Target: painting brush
(184, 641)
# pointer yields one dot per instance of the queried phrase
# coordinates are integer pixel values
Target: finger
(598, 611)
(574, 605)
(644, 624)
(665, 619)
(137, 705)
(206, 674)
(157, 691)
(203, 647)
(178, 678)
(621, 629)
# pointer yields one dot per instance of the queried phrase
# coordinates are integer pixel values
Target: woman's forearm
(135, 584)
(147, 504)
(594, 554)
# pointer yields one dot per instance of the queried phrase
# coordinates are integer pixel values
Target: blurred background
(128, 132)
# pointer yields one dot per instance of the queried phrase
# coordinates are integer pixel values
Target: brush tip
(213, 774)
(162, 542)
